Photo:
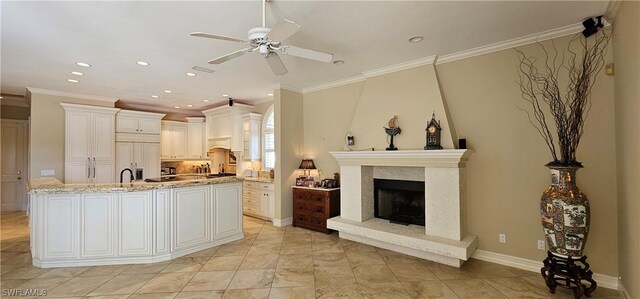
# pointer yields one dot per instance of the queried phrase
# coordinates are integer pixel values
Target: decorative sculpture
(392, 131)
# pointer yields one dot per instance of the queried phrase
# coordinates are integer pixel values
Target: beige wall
(14, 112)
(288, 136)
(262, 107)
(626, 52)
(506, 175)
(46, 143)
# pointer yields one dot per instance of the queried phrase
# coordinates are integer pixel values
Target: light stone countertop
(259, 180)
(54, 186)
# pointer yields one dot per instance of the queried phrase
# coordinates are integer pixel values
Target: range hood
(219, 143)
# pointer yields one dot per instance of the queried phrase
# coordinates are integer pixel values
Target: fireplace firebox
(399, 201)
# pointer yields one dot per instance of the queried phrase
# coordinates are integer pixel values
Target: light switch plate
(47, 172)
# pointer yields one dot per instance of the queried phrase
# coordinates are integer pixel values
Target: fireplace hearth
(399, 201)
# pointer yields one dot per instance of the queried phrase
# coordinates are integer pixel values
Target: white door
(126, 124)
(165, 142)
(151, 160)
(179, 141)
(149, 125)
(124, 158)
(13, 165)
(78, 136)
(103, 137)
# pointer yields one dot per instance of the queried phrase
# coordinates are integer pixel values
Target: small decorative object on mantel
(564, 209)
(392, 131)
(433, 134)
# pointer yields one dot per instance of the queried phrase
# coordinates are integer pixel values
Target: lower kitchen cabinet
(134, 224)
(97, 225)
(191, 216)
(227, 214)
(162, 221)
(258, 199)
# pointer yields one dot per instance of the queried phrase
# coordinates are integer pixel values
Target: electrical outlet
(502, 238)
(47, 172)
(542, 245)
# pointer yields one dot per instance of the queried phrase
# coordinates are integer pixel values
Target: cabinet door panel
(103, 137)
(151, 160)
(124, 157)
(104, 173)
(78, 142)
(60, 226)
(138, 155)
(126, 124)
(179, 141)
(77, 172)
(195, 141)
(149, 125)
(162, 203)
(97, 225)
(165, 142)
(227, 210)
(191, 216)
(134, 219)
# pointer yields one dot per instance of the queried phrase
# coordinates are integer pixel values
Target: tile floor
(270, 262)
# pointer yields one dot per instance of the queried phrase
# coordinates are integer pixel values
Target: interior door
(13, 165)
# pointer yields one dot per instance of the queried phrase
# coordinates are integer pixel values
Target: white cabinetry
(97, 225)
(173, 140)
(251, 123)
(134, 224)
(196, 138)
(134, 155)
(224, 126)
(191, 216)
(138, 122)
(89, 144)
(162, 221)
(227, 214)
(258, 199)
(60, 218)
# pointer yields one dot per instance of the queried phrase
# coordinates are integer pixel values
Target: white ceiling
(41, 41)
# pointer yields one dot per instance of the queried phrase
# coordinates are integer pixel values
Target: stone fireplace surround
(443, 239)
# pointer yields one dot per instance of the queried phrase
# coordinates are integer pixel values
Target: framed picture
(301, 180)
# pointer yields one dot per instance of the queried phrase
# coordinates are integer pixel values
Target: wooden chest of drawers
(312, 207)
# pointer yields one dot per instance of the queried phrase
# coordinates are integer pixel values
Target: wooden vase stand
(569, 273)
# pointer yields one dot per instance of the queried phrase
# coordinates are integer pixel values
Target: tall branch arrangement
(539, 82)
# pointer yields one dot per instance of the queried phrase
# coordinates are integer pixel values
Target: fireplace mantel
(409, 158)
(443, 238)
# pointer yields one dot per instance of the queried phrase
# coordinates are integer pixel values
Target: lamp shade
(307, 164)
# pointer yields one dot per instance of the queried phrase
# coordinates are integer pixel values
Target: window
(269, 142)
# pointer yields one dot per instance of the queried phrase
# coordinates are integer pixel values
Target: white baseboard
(605, 281)
(282, 222)
(623, 291)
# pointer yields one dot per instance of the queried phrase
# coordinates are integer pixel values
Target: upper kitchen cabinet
(251, 136)
(173, 140)
(89, 143)
(224, 126)
(196, 140)
(137, 122)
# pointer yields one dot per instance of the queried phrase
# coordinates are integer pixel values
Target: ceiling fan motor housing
(258, 33)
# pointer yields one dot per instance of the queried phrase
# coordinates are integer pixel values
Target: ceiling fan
(267, 42)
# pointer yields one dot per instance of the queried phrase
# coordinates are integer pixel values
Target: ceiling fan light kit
(267, 42)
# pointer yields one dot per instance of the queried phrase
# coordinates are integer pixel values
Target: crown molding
(70, 94)
(400, 67)
(512, 43)
(286, 87)
(350, 80)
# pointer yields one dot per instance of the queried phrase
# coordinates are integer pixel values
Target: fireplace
(399, 201)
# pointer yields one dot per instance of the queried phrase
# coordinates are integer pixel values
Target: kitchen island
(107, 224)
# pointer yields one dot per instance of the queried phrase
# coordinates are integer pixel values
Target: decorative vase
(565, 213)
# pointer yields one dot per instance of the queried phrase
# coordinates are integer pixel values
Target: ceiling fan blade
(276, 64)
(283, 30)
(308, 54)
(229, 56)
(220, 37)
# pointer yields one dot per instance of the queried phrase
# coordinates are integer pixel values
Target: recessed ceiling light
(338, 62)
(270, 94)
(177, 107)
(77, 73)
(72, 80)
(144, 63)
(83, 64)
(225, 95)
(191, 74)
(189, 105)
(416, 39)
(154, 96)
(167, 91)
(206, 101)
